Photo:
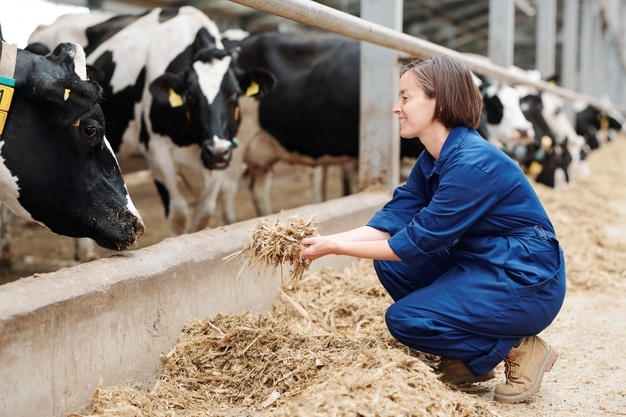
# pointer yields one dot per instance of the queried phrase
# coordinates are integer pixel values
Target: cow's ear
(95, 74)
(257, 82)
(68, 98)
(37, 48)
(168, 88)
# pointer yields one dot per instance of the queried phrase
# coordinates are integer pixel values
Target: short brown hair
(450, 83)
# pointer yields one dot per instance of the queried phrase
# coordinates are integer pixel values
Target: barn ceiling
(462, 25)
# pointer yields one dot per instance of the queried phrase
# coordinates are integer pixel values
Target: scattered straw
(323, 351)
(272, 245)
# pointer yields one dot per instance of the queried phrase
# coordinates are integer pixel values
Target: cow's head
(504, 114)
(200, 104)
(56, 166)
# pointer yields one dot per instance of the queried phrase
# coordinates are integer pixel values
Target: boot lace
(510, 362)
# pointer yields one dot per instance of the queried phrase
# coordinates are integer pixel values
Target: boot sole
(547, 365)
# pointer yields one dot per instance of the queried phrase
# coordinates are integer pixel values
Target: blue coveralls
(480, 264)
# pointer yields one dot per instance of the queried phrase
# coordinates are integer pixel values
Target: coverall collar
(433, 166)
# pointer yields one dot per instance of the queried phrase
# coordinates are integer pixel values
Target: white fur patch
(10, 191)
(80, 64)
(210, 76)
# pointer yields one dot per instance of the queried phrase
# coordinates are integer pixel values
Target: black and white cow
(56, 165)
(313, 115)
(545, 159)
(172, 93)
(570, 149)
(596, 126)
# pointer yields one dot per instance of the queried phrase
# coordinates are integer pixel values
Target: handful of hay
(276, 244)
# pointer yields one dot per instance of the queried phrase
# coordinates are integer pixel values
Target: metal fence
(327, 18)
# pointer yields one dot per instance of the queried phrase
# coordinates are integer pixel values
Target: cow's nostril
(140, 228)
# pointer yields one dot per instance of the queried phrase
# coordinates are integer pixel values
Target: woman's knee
(402, 323)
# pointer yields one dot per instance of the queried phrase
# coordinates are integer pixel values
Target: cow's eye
(90, 130)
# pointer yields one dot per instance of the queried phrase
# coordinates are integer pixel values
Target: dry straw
(275, 244)
(323, 351)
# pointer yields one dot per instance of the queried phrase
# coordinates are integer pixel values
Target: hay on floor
(323, 351)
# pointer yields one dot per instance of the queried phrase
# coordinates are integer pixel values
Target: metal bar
(546, 37)
(501, 31)
(327, 18)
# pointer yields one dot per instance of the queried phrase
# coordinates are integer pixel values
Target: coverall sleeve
(465, 194)
(407, 200)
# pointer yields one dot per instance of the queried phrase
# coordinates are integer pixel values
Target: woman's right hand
(318, 246)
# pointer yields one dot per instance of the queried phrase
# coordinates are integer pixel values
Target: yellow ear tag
(535, 168)
(604, 123)
(236, 113)
(66, 95)
(76, 123)
(175, 99)
(253, 89)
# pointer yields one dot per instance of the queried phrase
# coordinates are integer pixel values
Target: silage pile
(325, 351)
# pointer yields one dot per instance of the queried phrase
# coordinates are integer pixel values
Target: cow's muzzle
(216, 153)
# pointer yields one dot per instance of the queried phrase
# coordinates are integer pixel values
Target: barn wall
(108, 321)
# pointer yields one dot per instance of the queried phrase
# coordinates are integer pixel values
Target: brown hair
(450, 82)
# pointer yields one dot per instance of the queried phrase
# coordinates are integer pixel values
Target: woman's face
(414, 109)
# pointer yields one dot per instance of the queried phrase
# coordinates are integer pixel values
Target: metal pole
(324, 17)
(546, 38)
(379, 147)
(501, 32)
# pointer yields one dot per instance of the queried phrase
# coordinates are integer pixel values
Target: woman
(464, 248)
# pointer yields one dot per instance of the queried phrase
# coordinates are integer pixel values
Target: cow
(596, 126)
(570, 149)
(312, 117)
(57, 167)
(545, 159)
(172, 93)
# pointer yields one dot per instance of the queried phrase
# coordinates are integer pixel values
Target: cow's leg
(161, 162)
(6, 218)
(232, 176)
(206, 198)
(204, 184)
(260, 186)
(350, 175)
(319, 177)
(228, 195)
(84, 250)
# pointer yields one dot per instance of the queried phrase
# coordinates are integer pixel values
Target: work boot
(455, 372)
(524, 367)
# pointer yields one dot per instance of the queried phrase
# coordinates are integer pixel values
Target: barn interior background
(460, 25)
(580, 41)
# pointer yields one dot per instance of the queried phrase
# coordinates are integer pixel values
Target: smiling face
(415, 109)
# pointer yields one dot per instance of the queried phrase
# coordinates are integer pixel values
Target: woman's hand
(318, 246)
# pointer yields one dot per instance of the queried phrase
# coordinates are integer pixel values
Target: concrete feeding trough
(108, 321)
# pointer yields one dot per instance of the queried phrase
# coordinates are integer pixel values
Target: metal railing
(324, 17)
